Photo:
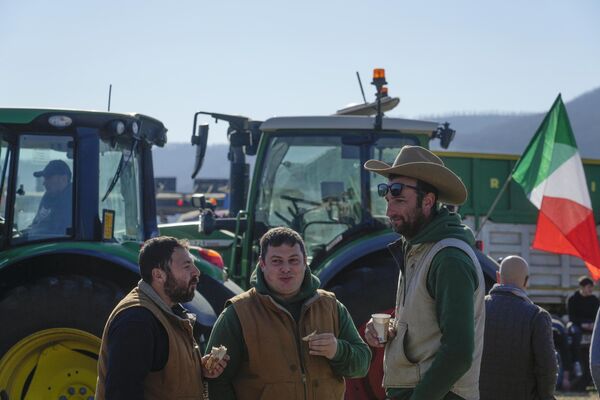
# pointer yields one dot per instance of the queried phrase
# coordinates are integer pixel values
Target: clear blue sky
(169, 59)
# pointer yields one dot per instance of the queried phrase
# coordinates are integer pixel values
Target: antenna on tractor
(361, 87)
(109, 94)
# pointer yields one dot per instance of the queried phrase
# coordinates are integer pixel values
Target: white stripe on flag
(566, 182)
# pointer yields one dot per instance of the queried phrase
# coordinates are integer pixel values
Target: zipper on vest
(297, 336)
(299, 348)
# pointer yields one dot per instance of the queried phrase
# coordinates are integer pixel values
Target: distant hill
(510, 134)
(481, 133)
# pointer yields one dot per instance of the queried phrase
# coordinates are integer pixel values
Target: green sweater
(452, 282)
(351, 360)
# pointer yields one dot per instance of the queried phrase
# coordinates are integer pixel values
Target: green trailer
(511, 226)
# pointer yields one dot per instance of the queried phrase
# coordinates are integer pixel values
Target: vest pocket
(399, 370)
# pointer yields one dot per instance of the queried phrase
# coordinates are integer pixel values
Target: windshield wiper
(122, 163)
(4, 169)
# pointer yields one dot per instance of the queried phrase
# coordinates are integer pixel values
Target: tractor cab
(50, 192)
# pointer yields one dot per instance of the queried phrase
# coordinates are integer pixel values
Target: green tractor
(309, 176)
(66, 259)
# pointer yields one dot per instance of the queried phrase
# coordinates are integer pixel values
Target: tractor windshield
(43, 188)
(313, 184)
(120, 189)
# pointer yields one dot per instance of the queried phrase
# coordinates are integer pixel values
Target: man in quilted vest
(519, 360)
(148, 348)
(436, 339)
(287, 339)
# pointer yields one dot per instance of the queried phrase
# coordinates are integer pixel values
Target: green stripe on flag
(550, 147)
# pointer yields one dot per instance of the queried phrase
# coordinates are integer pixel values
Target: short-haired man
(582, 307)
(148, 348)
(55, 211)
(519, 360)
(437, 335)
(287, 339)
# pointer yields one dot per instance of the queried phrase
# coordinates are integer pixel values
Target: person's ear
(498, 278)
(428, 201)
(158, 275)
(526, 281)
(261, 263)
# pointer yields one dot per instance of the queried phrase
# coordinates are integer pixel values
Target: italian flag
(551, 174)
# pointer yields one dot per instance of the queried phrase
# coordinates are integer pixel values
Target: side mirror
(206, 222)
(199, 140)
(445, 134)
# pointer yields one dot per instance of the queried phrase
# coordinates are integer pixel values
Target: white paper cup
(381, 323)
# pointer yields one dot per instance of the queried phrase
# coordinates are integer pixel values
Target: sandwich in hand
(216, 355)
(309, 336)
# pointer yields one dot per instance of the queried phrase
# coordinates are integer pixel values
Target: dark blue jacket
(519, 361)
(55, 213)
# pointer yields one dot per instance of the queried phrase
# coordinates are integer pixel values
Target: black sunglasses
(395, 188)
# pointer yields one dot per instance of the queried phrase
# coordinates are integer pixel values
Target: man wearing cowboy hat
(436, 339)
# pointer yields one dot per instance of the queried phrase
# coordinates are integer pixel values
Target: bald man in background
(519, 361)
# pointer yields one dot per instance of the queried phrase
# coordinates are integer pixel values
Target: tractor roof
(335, 122)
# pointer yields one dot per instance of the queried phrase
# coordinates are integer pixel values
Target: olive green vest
(181, 378)
(279, 365)
(410, 354)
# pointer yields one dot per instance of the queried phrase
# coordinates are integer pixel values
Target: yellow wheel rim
(58, 363)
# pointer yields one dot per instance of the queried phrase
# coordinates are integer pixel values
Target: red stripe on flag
(549, 238)
(564, 213)
(581, 241)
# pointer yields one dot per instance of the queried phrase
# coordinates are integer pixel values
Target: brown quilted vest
(279, 365)
(181, 378)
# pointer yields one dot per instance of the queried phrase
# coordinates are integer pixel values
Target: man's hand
(371, 335)
(323, 344)
(217, 369)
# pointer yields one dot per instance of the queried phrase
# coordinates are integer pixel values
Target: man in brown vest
(287, 339)
(148, 349)
(437, 335)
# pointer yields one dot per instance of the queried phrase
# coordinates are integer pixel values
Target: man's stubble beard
(411, 228)
(177, 293)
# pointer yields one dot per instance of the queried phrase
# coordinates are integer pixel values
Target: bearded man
(148, 348)
(437, 334)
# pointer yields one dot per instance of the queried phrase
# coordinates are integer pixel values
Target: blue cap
(54, 167)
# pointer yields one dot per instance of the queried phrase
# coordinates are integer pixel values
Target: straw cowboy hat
(419, 163)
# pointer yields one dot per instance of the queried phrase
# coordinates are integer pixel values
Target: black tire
(365, 289)
(56, 302)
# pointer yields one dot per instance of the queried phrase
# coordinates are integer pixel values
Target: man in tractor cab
(436, 340)
(287, 339)
(55, 212)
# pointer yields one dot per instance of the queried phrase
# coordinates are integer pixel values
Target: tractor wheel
(50, 340)
(365, 290)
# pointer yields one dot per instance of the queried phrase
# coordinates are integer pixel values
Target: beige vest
(181, 378)
(279, 366)
(410, 354)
